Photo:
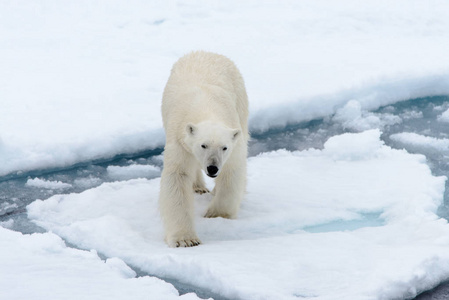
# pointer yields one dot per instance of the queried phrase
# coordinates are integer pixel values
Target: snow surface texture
(421, 141)
(83, 81)
(273, 250)
(41, 266)
(133, 171)
(353, 117)
(444, 117)
(46, 184)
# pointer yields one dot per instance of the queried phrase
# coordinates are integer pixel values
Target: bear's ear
(235, 133)
(191, 129)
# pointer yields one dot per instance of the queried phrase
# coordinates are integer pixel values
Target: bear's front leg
(199, 186)
(177, 212)
(229, 191)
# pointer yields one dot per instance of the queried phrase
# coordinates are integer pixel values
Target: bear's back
(194, 78)
(202, 67)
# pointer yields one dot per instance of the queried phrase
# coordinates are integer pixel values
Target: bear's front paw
(183, 242)
(201, 191)
(212, 213)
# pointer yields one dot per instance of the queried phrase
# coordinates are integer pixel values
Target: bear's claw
(183, 242)
(187, 243)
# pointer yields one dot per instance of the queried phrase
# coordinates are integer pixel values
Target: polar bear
(205, 116)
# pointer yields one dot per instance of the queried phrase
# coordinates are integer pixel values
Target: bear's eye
(203, 146)
(225, 148)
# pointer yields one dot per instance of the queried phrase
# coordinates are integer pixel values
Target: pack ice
(41, 266)
(295, 235)
(356, 220)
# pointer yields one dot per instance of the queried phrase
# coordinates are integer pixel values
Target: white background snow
(83, 80)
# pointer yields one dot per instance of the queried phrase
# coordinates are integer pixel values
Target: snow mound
(351, 116)
(41, 266)
(421, 141)
(47, 184)
(444, 117)
(356, 146)
(133, 171)
(87, 182)
(268, 251)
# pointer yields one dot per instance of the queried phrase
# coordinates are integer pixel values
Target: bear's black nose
(212, 171)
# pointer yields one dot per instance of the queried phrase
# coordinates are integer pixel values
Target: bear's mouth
(212, 176)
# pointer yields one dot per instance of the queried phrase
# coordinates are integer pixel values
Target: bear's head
(211, 143)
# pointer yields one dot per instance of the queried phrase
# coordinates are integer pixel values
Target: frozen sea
(347, 196)
(103, 188)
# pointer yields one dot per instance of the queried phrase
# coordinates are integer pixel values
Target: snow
(41, 266)
(353, 117)
(83, 81)
(422, 141)
(47, 184)
(444, 117)
(7, 224)
(133, 171)
(273, 250)
(87, 182)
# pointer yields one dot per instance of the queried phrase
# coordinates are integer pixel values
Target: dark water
(419, 116)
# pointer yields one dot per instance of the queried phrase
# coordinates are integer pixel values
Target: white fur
(205, 115)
